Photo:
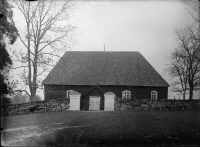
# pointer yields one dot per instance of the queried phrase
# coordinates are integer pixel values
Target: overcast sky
(144, 26)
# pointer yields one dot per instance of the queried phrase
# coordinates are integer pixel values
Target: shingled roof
(104, 68)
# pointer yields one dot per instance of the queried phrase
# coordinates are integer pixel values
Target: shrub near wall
(51, 105)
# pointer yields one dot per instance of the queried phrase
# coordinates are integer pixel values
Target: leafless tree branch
(42, 31)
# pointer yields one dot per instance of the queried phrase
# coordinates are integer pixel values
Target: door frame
(99, 101)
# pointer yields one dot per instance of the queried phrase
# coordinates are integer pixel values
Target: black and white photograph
(100, 73)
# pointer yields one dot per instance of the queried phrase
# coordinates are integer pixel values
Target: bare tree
(47, 34)
(184, 62)
(177, 70)
(197, 20)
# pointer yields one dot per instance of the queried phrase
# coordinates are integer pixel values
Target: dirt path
(22, 135)
(105, 128)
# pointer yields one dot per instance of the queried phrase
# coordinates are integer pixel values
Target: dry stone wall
(43, 106)
(161, 105)
(120, 105)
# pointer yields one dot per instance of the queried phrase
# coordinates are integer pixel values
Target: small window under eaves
(126, 94)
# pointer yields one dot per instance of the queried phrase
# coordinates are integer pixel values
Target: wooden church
(93, 79)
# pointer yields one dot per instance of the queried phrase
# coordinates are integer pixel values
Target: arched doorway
(74, 97)
(109, 101)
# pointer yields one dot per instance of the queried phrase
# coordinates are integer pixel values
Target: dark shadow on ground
(93, 137)
(111, 128)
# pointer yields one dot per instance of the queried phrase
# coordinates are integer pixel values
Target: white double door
(94, 103)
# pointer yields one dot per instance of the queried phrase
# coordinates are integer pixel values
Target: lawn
(103, 128)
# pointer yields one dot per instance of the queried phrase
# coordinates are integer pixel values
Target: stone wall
(120, 105)
(161, 105)
(50, 105)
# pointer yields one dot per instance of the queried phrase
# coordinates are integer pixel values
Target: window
(153, 95)
(126, 94)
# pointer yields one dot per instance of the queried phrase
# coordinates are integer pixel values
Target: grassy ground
(103, 128)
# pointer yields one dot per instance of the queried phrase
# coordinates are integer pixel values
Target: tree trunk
(29, 55)
(33, 94)
(184, 94)
(191, 93)
(34, 85)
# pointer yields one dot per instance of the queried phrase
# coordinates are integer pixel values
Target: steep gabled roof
(104, 68)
